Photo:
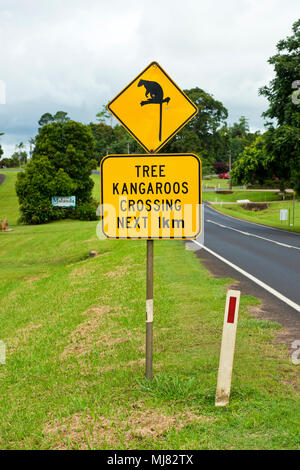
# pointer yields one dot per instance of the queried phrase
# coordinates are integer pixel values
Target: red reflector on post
(231, 310)
(231, 316)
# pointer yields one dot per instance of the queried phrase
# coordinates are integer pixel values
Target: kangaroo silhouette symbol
(157, 97)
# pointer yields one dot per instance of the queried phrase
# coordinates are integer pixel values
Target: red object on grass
(231, 310)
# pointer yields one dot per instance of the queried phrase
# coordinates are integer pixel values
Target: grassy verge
(8, 198)
(253, 196)
(215, 183)
(270, 216)
(74, 330)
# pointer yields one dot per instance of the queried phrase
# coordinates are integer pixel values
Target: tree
(282, 138)
(221, 167)
(103, 115)
(45, 119)
(61, 116)
(1, 150)
(48, 118)
(283, 148)
(20, 154)
(253, 165)
(12, 162)
(240, 129)
(61, 165)
(31, 146)
(5, 163)
(104, 136)
(111, 140)
(240, 137)
(34, 189)
(234, 139)
(280, 90)
(201, 134)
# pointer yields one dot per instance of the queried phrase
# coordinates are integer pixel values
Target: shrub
(34, 193)
(221, 167)
(255, 206)
(223, 191)
(60, 166)
(86, 211)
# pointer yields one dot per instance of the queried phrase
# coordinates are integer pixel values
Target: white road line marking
(252, 278)
(253, 235)
(269, 227)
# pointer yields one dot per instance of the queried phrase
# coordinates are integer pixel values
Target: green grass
(270, 216)
(96, 193)
(8, 198)
(253, 196)
(215, 183)
(74, 330)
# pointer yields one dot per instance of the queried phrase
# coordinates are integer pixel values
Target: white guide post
(227, 347)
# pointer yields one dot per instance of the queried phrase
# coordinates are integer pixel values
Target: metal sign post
(157, 197)
(149, 306)
(294, 193)
(149, 310)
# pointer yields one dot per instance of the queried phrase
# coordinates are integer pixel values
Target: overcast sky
(75, 55)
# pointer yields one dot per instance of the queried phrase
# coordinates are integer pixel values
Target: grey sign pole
(149, 310)
(293, 208)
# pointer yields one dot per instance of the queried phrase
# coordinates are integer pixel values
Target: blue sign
(64, 201)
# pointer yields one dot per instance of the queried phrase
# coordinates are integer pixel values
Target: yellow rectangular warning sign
(151, 197)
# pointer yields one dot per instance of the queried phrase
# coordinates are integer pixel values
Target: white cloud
(75, 55)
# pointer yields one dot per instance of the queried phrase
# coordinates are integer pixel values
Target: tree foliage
(207, 134)
(279, 92)
(220, 167)
(17, 159)
(201, 134)
(282, 137)
(266, 159)
(59, 116)
(1, 149)
(252, 166)
(61, 165)
(110, 140)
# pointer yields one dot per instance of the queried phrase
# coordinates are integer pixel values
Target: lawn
(74, 328)
(269, 216)
(215, 183)
(8, 198)
(236, 195)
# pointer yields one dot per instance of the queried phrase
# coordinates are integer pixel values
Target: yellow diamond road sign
(152, 108)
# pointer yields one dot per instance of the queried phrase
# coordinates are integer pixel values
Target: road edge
(252, 278)
(253, 223)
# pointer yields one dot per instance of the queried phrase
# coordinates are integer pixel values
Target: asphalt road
(270, 255)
